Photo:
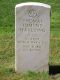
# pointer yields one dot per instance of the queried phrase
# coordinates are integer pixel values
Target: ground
(7, 41)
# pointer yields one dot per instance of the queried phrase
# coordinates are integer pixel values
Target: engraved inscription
(32, 26)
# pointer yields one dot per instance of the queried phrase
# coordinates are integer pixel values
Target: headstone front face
(32, 28)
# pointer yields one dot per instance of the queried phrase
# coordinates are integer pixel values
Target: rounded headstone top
(33, 3)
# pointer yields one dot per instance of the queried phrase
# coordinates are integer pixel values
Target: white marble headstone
(32, 36)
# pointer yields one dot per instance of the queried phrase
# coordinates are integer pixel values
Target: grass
(7, 32)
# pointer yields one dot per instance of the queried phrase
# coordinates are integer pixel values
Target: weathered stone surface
(32, 36)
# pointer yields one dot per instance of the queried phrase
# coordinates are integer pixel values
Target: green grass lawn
(7, 41)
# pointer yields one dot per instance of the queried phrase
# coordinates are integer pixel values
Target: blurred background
(7, 37)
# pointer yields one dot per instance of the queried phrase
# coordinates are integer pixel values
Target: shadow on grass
(54, 69)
